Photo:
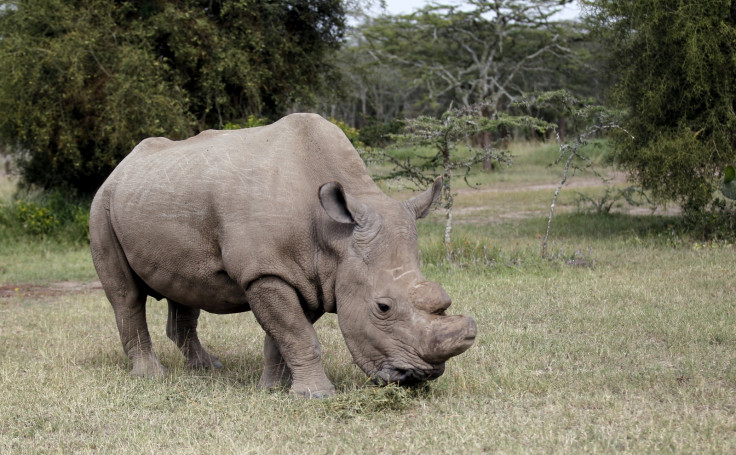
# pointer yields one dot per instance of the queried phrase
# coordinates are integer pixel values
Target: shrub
(717, 221)
(675, 64)
(352, 133)
(250, 122)
(379, 134)
(34, 218)
(45, 215)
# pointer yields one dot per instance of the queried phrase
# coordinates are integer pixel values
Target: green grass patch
(43, 237)
(598, 151)
(42, 261)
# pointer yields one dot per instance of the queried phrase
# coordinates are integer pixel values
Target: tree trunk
(561, 127)
(447, 190)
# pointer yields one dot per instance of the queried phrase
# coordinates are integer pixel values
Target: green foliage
(82, 82)
(250, 122)
(729, 174)
(45, 215)
(460, 53)
(34, 218)
(449, 138)
(378, 134)
(677, 79)
(351, 133)
(729, 182)
(717, 221)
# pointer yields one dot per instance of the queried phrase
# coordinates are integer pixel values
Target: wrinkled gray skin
(282, 220)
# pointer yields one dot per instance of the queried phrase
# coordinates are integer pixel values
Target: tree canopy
(82, 82)
(480, 51)
(676, 68)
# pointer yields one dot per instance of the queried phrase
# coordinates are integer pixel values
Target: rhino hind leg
(278, 310)
(127, 296)
(130, 315)
(181, 328)
(276, 372)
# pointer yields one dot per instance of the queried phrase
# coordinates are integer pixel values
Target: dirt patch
(572, 182)
(48, 290)
(474, 214)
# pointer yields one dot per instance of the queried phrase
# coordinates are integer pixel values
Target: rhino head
(392, 318)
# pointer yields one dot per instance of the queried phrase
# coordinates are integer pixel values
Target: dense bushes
(676, 79)
(81, 83)
(33, 215)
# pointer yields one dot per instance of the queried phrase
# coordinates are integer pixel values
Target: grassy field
(625, 342)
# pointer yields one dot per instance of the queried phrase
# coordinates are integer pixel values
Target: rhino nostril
(398, 376)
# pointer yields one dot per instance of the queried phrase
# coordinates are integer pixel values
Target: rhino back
(198, 219)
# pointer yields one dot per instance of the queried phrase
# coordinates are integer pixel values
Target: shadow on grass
(614, 225)
(589, 226)
(519, 244)
(239, 371)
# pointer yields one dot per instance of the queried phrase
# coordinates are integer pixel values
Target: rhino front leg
(277, 308)
(181, 328)
(276, 372)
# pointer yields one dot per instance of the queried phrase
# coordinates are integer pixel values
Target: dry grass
(631, 351)
(635, 355)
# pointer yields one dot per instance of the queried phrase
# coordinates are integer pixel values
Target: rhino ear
(342, 207)
(421, 205)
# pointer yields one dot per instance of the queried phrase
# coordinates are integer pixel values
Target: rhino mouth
(407, 376)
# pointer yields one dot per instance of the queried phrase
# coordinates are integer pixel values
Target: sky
(407, 6)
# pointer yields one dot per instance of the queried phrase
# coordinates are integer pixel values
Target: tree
(676, 67)
(445, 137)
(370, 88)
(478, 52)
(488, 52)
(82, 82)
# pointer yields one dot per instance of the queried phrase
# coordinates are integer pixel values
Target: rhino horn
(430, 297)
(452, 335)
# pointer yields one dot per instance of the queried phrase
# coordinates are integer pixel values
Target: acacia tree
(676, 67)
(477, 52)
(445, 136)
(82, 82)
(474, 52)
(371, 88)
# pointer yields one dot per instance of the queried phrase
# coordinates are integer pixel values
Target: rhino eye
(383, 307)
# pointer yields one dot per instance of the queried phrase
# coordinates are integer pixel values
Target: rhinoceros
(284, 221)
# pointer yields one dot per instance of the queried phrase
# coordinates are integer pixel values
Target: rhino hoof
(149, 368)
(312, 393)
(206, 364)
